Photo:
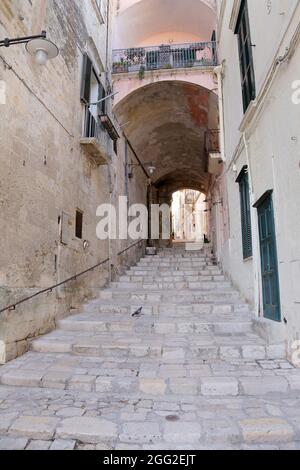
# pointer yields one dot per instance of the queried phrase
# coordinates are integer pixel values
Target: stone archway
(166, 124)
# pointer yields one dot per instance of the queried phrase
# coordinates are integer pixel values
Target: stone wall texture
(45, 172)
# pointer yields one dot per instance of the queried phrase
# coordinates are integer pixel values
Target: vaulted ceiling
(137, 22)
(167, 122)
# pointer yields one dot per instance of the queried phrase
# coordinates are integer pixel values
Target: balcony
(94, 141)
(212, 141)
(174, 56)
(213, 150)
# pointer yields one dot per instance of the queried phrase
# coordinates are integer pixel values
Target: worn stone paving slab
(170, 375)
(191, 422)
(188, 373)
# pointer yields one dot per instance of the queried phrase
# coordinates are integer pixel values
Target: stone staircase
(187, 372)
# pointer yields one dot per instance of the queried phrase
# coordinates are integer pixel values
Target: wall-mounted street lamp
(38, 46)
(148, 166)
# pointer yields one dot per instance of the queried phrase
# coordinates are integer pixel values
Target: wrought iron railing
(212, 141)
(172, 56)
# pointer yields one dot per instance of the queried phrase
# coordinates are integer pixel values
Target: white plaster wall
(276, 161)
(239, 270)
(273, 152)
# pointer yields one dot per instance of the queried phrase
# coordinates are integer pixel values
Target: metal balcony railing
(174, 56)
(212, 141)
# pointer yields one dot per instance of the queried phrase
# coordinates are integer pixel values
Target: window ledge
(250, 258)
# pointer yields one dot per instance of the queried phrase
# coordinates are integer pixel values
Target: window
(92, 91)
(243, 181)
(245, 55)
(79, 224)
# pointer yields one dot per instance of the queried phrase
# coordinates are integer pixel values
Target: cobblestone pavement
(188, 373)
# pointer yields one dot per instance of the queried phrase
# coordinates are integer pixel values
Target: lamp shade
(151, 167)
(42, 50)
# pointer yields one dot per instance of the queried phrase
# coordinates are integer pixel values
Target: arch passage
(167, 122)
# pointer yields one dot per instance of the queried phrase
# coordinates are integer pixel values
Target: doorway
(269, 262)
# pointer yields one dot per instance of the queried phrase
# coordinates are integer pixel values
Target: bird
(137, 313)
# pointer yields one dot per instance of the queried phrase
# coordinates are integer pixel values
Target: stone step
(189, 372)
(105, 377)
(144, 277)
(181, 272)
(197, 275)
(154, 285)
(167, 347)
(173, 259)
(182, 255)
(178, 264)
(177, 259)
(190, 324)
(164, 296)
(168, 273)
(114, 306)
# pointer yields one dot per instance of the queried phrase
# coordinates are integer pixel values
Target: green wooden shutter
(245, 55)
(86, 79)
(243, 181)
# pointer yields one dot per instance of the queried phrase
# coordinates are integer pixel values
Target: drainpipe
(109, 168)
(107, 42)
(219, 71)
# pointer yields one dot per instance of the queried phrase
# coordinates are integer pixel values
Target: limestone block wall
(44, 172)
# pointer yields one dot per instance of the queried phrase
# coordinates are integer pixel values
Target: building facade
(259, 55)
(206, 98)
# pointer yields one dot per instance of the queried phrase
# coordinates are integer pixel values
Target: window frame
(79, 230)
(243, 32)
(89, 72)
(245, 211)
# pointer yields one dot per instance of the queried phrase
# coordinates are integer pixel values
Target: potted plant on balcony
(142, 72)
(119, 67)
(135, 58)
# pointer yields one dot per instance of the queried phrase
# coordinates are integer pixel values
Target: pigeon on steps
(138, 312)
